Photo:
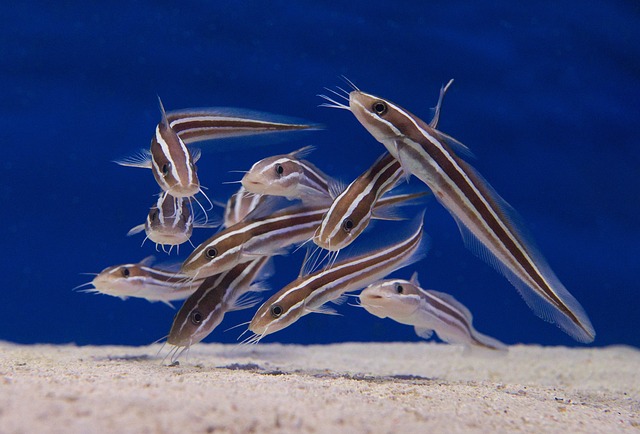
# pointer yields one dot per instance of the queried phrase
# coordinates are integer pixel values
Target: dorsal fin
(414, 279)
(436, 114)
(301, 153)
(148, 261)
(165, 121)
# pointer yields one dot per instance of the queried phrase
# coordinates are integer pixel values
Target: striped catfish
(263, 233)
(172, 163)
(428, 311)
(309, 293)
(204, 310)
(352, 210)
(141, 280)
(290, 176)
(486, 221)
(170, 222)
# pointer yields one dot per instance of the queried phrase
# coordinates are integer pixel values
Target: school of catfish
(285, 202)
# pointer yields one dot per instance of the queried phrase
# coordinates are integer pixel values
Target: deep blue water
(546, 94)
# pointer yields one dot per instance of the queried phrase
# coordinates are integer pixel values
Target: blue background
(546, 94)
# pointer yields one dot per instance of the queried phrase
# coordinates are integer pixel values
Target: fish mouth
(184, 190)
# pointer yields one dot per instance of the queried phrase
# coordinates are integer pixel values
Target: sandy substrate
(418, 387)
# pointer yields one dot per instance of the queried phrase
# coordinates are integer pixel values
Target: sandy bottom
(416, 387)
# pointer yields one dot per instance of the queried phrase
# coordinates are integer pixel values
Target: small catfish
(172, 163)
(141, 280)
(290, 176)
(170, 222)
(309, 293)
(204, 310)
(427, 310)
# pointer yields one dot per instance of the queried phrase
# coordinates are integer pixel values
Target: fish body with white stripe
(427, 311)
(262, 233)
(290, 176)
(487, 222)
(171, 162)
(309, 293)
(204, 310)
(170, 222)
(350, 212)
(141, 280)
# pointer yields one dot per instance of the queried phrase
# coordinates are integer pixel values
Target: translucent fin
(389, 211)
(324, 309)
(196, 153)
(336, 187)
(406, 173)
(436, 113)
(301, 153)
(245, 301)
(340, 300)
(424, 333)
(148, 261)
(142, 159)
(136, 230)
(414, 279)
(582, 330)
(267, 271)
(168, 303)
(165, 121)
(458, 147)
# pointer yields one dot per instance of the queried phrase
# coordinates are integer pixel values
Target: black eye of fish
(211, 253)
(279, 169)
(154, 215)
(347, 225)
(379, 107)
(399, 289)
(276, 310)
(165, 168)
(196, 317)
(125, 272)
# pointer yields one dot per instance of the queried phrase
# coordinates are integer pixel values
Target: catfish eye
(399, 289)
(279, 169)
(211, 252)
(125, 272)
(379, 108)
(165, 168)
(347, 225)
(276, 310)
(154, 215)
(196, 317)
